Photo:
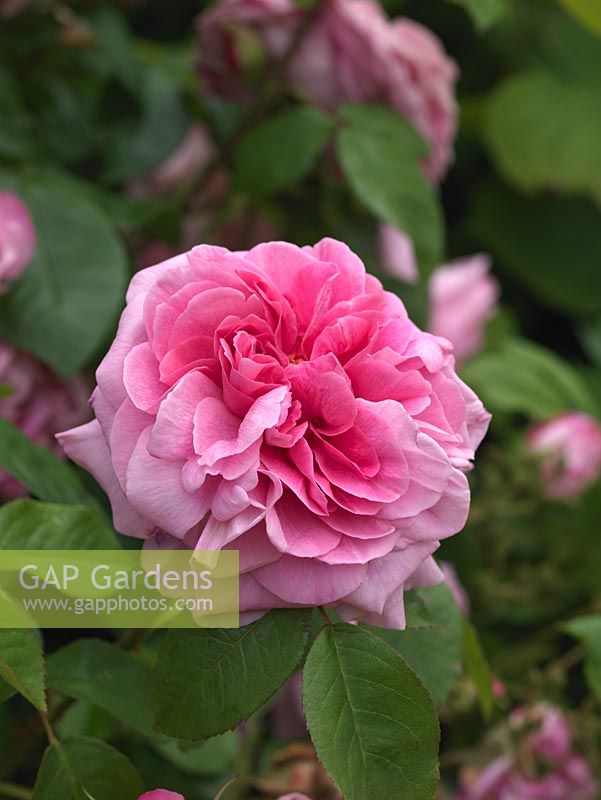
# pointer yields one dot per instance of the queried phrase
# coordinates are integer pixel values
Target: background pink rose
(40, 404)
(463, 297)
(161, 794)
(280, 403)
(294, 796)
(569, 447)
(17, 238)
(352, 52)
(544, 766)
(182, 166)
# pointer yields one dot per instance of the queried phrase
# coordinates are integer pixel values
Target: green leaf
(565, 154)
(6, 690)
(208, 681)
(590, 337)
(571, 50)
(417, 614)
(587, 12)
(477, 668)
(30, 525)
(371, 720)
(136, 148)
(588, 630)
(434, 654)
(281, 150)
(213, 757)
(524, 377)
(93, 670)
(83, 768)
(43, 473)
(86, 719)
(484, 12)
(16, 138)
(552, 245)
(379, 152)
(22, 665)
(5, 391)
(69, 297)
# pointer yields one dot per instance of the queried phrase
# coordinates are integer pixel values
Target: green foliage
(96, 671)
(550, 244)
(588, 630)
(434, 654)
(213, 757)
(43, 473)
(281, 150)
(151, 137)
(16, 140)
(371, 719)
(565, 154)
(81, 768)
(30, 525)
(484, 12)
(587, 12)
(477, 667)
(208, 681)
(526, 378)
(68, 299)
(379, 152)
(22, 665)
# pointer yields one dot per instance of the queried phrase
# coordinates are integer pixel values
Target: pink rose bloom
(280, 403)
(352, 52)
(463, 297)
(17, 238)
(455, 586)
(161, 794)
(188, 160)
(556, 772)
(569, 447)
(40, 405)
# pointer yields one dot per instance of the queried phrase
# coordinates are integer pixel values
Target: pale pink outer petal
(87, 447)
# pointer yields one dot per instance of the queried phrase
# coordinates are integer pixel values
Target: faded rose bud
(569, 448)
(17, 238)
(351, 52)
